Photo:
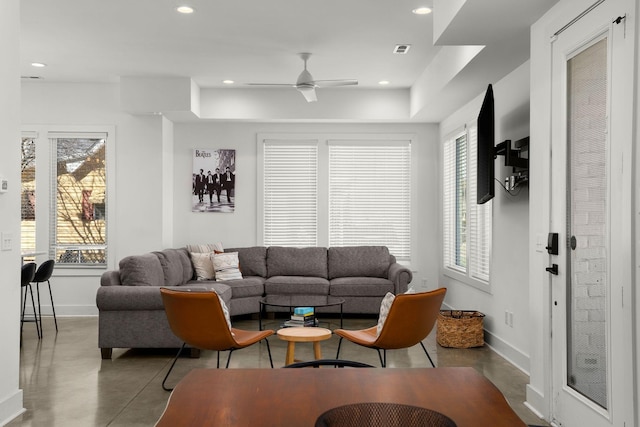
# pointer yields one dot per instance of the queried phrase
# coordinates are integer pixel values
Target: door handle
(553, 269)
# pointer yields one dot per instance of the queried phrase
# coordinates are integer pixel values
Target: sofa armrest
(401, 276)
(117, 298)
(110, 278)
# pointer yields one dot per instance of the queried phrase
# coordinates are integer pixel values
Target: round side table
(309, 334)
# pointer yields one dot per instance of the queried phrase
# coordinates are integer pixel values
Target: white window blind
(466, 225)
(370, 195)
(479, 218)
(290, 205)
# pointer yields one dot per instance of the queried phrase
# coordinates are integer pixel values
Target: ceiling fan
(306, 85)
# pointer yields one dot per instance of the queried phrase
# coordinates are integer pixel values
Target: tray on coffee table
(292, 301)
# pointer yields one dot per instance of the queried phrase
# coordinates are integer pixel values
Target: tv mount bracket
(512, 156)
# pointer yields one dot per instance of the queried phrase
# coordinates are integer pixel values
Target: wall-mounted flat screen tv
(486, 149)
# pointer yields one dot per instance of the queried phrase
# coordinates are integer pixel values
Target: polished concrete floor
(66, 383)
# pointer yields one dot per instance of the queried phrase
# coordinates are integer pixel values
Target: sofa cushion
(385, 307)
(248, 286)
(283, 261)
(296, 285)
(226, 266)
(203, 265)
(141, 270)
(187, 266)
(253, 260)
(172, 267)
(360, 286)
(210, 247)
(358, 261)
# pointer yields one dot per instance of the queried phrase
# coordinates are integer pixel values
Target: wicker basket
(460, 329)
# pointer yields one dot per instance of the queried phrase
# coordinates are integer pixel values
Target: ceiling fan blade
(334, 83)
(271, 84)
(309, 93)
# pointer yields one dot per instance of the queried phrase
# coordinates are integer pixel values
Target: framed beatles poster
(213, 180)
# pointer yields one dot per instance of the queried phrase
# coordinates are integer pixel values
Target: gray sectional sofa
(131, 313)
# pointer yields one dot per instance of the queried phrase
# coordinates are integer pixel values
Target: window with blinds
(370, 195)
(290, 193)
(78, 212)
(466, 225)
(28, 194)
(336, 190)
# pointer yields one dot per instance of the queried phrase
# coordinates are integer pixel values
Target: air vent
(31, 77)
(401, 49)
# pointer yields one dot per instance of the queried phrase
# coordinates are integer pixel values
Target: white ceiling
(258, 40)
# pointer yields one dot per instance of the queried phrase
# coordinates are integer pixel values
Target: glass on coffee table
(287, 304)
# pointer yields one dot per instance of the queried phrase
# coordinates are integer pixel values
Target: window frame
(324, 140)
(467, 274)
(44, 184)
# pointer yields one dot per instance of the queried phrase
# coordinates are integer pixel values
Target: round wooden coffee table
(309, 334)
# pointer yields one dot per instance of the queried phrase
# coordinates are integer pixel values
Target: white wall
(10, 394)
(139, 172)
(153, 175)
(240, 228)
(510, 241)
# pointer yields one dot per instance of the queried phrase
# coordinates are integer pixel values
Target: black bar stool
(28, 273)
(43, 274)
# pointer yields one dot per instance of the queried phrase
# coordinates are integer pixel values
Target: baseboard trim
(11, 407)
(535, 401)
(512, 354)
(66, 310)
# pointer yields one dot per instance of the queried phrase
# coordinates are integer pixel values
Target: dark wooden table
(296, 397)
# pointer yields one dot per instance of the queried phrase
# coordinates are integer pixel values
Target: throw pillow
(385, 306)
(211, 247)
(203, 264)
(227, 266)
(225, 310)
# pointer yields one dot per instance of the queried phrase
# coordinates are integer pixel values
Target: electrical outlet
(7, 241)
(424, 283)
(508, 318)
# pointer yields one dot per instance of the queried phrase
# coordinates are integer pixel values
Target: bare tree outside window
(28, 194)
(80, 223)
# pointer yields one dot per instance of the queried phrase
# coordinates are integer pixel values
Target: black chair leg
(35, 313)
(427, 353)
(175, 359)
(24, 306)
(383, 362)
(228, 359)
(39, 310)
(338, 352)
(218, 363)
(269, 351)
(53, 308)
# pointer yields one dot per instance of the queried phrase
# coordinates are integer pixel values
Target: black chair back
(336, 363)
(28, 273)
(44, 272)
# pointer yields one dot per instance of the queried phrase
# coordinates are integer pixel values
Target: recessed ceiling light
(228, 82)
(38, 64)
(384, 82)
(422, 11)
(184, 9)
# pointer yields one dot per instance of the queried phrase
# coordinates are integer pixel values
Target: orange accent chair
(197, 318)
(411, 318)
